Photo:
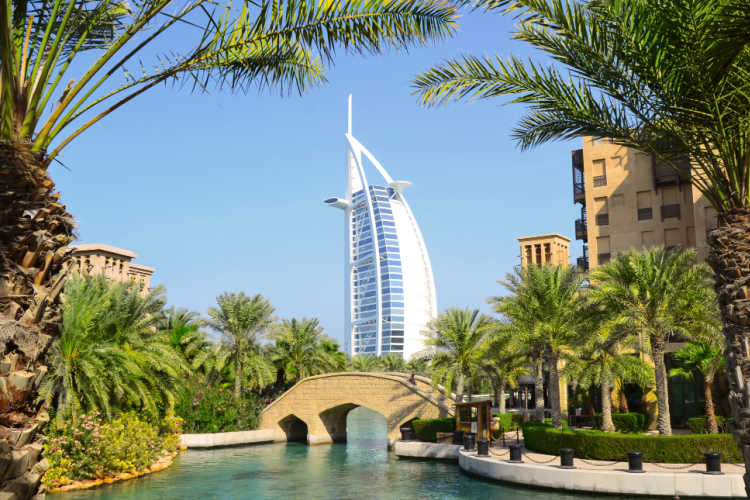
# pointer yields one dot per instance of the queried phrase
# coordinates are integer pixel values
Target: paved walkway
(500, 452)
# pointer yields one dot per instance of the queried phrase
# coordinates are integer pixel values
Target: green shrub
(91, 448)
(548, 421)
(207, 408)
(505, 421)
(427, 429)
(625, 422)
(615, 446)
(517, 419)
(699, 425)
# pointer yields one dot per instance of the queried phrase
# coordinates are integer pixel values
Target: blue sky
(224, 192)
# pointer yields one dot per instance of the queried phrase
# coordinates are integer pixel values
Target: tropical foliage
(299, 351)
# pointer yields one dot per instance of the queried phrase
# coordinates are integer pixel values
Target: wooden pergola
(476, 417)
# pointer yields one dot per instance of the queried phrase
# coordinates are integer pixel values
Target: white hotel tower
(390, 290)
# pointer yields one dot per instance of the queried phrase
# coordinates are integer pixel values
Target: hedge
(625, 422)
(426, 429)
(699, 425)
(600, 445)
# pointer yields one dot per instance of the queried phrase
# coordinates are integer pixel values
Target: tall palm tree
(67, 64)
(110, 356)
(607, 354)
(393, 363)
(658, 293)
(706, 356)
(181, 330)
(299, 350)
(457, 336)
(547, 301)
(336, 355)
(504, 360)
(666, 77)
(241, 320)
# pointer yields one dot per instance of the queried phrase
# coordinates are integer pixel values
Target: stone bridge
(315, 409)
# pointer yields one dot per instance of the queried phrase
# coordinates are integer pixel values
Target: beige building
(629, 200)
(545, 249)
(114, 263)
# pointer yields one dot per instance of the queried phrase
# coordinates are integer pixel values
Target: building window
(602, 219)
(604, 258)
(670, 211)
(600, 173)
(645, 214)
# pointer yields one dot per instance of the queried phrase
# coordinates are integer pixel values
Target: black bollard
(468, 441)
(713, 463)
(515, 454)
(458, 437)
(483, 447)
(635, 461)
(407, 434)
(566, 458)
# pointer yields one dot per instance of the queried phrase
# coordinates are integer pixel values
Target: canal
(360, 469)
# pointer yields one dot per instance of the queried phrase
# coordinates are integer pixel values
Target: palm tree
(420, 365)
(606, 355)
(181, 330)
(299, 351)
(393, 362)
(504, 360)
(667, 78)
(242, 320)
(546, 305)
(457, 336)
(109, 356)
(658, 293)
(365, 363)
(706, 356)
(335, 354)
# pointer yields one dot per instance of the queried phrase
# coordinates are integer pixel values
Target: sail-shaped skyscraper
(390, 289)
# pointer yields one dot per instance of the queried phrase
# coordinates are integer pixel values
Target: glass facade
(364, 279)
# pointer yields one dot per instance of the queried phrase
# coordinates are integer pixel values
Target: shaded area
(334, 420)
(294, 428)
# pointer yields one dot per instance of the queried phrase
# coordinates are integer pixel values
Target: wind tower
(390, 290)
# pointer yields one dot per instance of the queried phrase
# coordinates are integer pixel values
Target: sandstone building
(543, 249)
(112, 262)
(629, 200)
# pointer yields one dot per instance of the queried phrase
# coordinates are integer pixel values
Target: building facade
(112, 262)
(553, 249)
(629, 200)
(390, 289)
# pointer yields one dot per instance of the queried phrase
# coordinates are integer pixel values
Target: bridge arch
(322, 403)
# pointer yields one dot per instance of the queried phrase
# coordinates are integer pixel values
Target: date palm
(67, 64)
(299, 351)
(504, 360)
(658, 293)
(364, 363)
(242, 321)
(457, 336)
(182, 330)
(393, 363)
(109, 356)
(666, 77)
(548, 301)
(706, 356)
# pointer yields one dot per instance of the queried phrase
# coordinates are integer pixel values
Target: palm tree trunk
(713, 425)
(607, 424)
(501, 396)
(729, 256)
(35, 230)
(237, 378)
(662, 392)
(621, 394)
(554, 391)
(460, 387)
(539, 390)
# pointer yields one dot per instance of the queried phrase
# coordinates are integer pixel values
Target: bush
(505, 421)
(548, 421)
(426, 429)
(91, 448)
(699, 425)
(206, 408)
(615, 446)
(625, 422)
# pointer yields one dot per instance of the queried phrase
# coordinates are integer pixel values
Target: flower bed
(91, 449)
(615, 446)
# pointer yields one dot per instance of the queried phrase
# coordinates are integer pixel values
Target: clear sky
(224, 192)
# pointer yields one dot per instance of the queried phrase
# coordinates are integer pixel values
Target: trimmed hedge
(505, 420)
(615, 446)
(426, 429)
(699, 425)
(625, 422)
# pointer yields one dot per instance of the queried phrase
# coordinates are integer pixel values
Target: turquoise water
(361, 469)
